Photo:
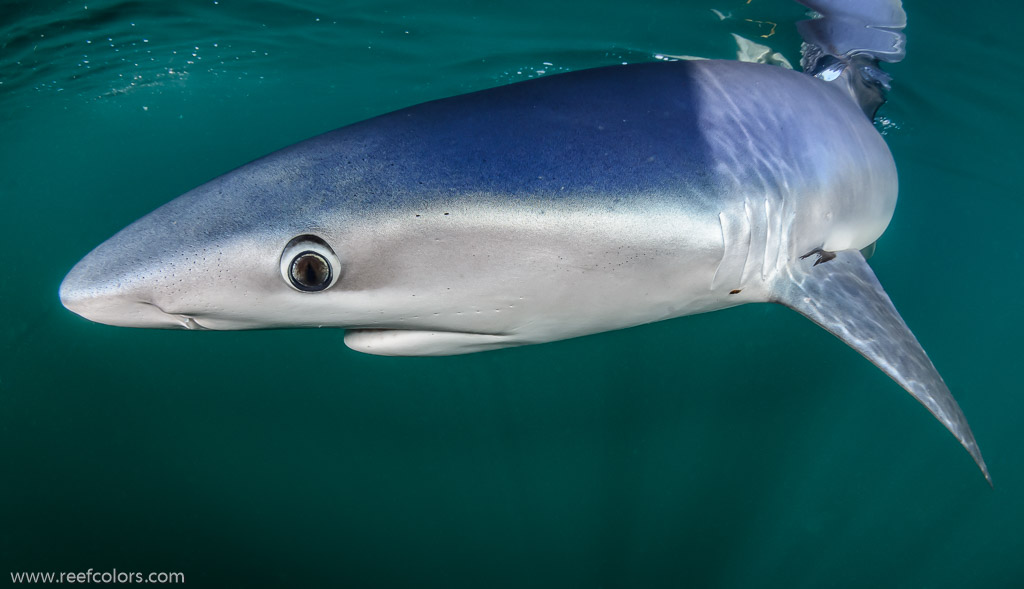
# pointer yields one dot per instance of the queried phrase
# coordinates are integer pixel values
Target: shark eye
(310, 271)
(308, 264)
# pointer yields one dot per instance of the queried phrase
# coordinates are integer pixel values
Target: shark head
(227, 255)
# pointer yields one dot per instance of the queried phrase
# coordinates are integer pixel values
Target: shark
(554, 208)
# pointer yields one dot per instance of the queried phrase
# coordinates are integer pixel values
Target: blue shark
(554, 208)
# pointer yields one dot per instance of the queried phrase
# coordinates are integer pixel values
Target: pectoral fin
(401, 342)
(839, 292)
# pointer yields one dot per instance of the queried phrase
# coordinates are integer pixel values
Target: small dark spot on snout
(736, 291)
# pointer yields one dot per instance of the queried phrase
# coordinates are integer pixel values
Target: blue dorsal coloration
(554, 208)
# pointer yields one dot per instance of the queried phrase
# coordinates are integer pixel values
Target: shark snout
(114, 301)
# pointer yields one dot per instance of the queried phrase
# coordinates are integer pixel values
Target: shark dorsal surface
(553, 208)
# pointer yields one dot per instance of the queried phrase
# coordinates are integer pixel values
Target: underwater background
(743, 448)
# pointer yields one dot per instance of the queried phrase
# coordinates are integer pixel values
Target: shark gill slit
(752, 255)
(721, 229)
(771, 250)
(736, 237)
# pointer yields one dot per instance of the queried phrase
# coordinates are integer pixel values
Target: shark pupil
(310, 271)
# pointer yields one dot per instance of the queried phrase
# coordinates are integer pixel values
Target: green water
(745, 448)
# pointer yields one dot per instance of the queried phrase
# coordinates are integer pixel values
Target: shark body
(553, 208)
